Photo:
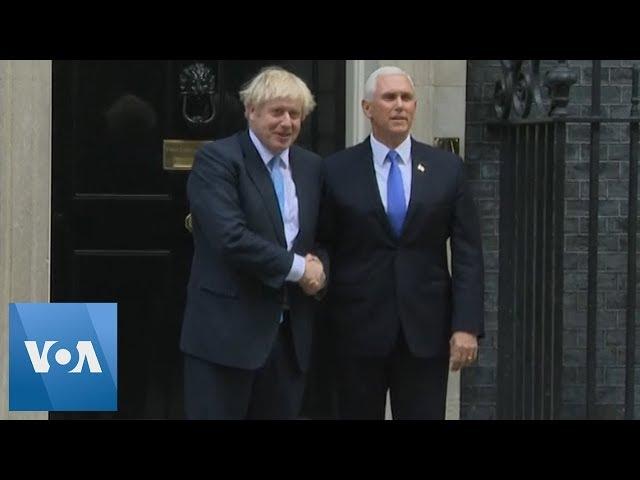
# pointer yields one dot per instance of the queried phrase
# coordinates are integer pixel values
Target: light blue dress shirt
(382, 167)
(290, 214)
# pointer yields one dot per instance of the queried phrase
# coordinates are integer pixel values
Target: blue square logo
(63, 356)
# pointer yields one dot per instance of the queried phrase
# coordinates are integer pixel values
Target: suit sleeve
(324, 237)
(217, 211)
(467, 262)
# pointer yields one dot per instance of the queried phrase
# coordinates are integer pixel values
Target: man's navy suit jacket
(380, 283)
(237, 288)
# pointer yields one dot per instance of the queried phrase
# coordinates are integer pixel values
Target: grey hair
(276, 82)
(370, 85)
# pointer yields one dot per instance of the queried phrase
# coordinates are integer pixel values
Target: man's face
(392, 108)
(276, 123)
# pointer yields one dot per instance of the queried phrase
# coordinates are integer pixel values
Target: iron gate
(533, 134)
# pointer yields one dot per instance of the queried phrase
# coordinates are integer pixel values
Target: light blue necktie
(396, 205)
(278, 181)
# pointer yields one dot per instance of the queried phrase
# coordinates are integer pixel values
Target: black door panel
(118, 230)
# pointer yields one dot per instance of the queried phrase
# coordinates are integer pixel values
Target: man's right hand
(314, 278)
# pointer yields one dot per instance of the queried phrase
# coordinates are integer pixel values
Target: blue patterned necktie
(278, 181)
(396, 205)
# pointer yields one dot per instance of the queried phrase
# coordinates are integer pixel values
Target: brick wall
(478, 396)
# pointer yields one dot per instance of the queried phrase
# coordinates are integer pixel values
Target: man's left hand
(463, 350)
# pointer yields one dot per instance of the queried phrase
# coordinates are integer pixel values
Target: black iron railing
(532, 210)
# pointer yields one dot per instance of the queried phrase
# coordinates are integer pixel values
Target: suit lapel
(300, 179)
(259, 174)
(368, 172)
(420, 178)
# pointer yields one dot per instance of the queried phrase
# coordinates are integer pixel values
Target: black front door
(118, 214)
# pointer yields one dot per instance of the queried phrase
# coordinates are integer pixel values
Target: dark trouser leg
(279, 385)
(418, 385)
(362, 388)
(215, 392)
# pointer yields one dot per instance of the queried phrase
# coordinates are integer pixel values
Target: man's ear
(366, 106)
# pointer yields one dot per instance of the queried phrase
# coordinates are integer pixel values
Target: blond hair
(276, 82)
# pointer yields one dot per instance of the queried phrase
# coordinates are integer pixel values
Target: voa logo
(40, 358)
(63, 357)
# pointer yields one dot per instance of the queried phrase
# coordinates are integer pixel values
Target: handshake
(314, 278)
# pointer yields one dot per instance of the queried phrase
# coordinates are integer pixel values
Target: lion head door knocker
(197, 89)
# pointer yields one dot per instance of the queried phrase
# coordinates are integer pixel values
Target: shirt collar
(265, 154)
(380, 150)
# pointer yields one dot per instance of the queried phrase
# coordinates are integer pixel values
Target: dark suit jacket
(237, 287)
(379, 282)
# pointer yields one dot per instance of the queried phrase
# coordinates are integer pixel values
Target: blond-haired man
(254, 198)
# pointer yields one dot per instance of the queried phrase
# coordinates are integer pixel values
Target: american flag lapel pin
(421, 168)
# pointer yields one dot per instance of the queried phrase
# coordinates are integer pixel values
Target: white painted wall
(25, 197)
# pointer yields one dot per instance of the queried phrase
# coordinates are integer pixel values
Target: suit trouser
(417, 386)
(273, 391)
